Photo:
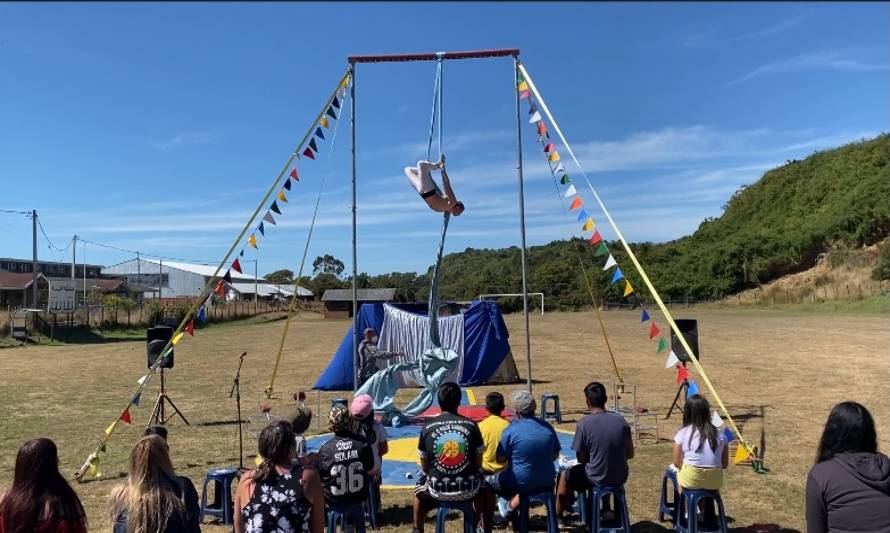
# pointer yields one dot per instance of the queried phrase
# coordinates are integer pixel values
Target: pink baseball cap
(361, 406)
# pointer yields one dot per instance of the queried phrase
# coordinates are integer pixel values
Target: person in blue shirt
(529, 445)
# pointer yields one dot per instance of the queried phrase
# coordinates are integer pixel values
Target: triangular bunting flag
(618, 275)
(672, 360)
(261, 229)
(596, 237)
(524, 95)
(565, 179)
(220, 289)
(549, 148)
(136, 399)
(125, 416)
(270, 219)
(535, 118)
(588, 225)
(728, 435)
(542, 129)
(602, 250)
(236, 265)
(324, 122)
(336, 103)
(682, 374)
(110, 429)
(571, 191)
(559, 168)
(274, 208)
(202, 314)
(294, 175)
(176, 339)
(532, 108)
(662, 345)
(523, 86)
(308, 153)
(576, 203)
(653, 331)
(331, 113)
(241, 253)
(313, 145)
(716, 421)
(228, 276)
(610, 262)
(583, 215)
(190, 328)
(628, 289)
(94, 467)
(644, 316)
(287, 185)
(741, 454)
(281, 196)
(251, 241)
(691, 388)
(554, 156)
(143, 380)
(319, 133)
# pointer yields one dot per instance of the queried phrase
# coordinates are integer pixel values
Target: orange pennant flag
(542, 129)
(324, 122)
(220, 289)
(576, 203)
(252, 240)
(628, 289)
(125, 416)
(294, 175)
(281, 196)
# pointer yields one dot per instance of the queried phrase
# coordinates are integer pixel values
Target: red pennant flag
(308, 153)
(190, 328)
(682, 374)
(596, 237)
(576, 203)
(220, 289)
(125, 416)
(525, 94)
(549, 148)
(653, 331)
(294, 175)
(236, 266)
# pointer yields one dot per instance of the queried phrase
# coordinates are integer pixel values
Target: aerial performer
(421, 179)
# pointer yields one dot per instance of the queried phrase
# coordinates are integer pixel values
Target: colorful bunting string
(653, 331)
(644, 316)
(672, 360)
(617, 276)
(610, 262)
(576, 203)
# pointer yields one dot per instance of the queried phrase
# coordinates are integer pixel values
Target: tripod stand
(158, 414)
(236, 390)
(682, 389)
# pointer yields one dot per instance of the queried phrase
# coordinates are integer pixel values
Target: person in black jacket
(848, 490)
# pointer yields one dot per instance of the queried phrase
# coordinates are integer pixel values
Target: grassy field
(779, 373)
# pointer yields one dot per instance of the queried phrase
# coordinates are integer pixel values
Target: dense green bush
(882, 271)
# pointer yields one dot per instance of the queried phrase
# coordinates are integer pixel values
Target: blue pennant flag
(691, 388)
(287, 184)
(532, 108)
(645, 316)
(202, 315)
(583, 215)
(319, 134)
(242, 252)
(617, 276)
(728, 435)
(336, 103)
(261, 229)
(135, 400)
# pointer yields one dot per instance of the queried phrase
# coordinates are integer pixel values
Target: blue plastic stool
(617, 493)
(689, 500)
(556, 413)
(342, 401)
(374, 504)
(667, 509)
(222, 494)
(465, 507)
(341, 514)
(584, 507)
(549, 502)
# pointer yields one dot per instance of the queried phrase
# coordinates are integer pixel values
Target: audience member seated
(154, 498)
(700, 451)
(280, 495)
(529, 446)
(346, 462)
(492, 427)
(849, 487)
(362, 410)
(160, 431)
(602, 444)
(300, 418)
(40, 500)
(450, 449)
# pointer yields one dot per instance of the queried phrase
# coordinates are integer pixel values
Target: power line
(51, 244)
(28, 213)
(141, 254)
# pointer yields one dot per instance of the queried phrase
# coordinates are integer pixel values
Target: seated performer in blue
(421, 179)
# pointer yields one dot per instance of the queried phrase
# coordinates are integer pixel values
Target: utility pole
(34, 258)
(160, 278)
(73, 257)
(256, 294)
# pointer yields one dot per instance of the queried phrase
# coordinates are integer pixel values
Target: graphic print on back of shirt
(451, 451)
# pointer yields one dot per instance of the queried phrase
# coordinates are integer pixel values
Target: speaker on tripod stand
(689, 328)
(158, 337)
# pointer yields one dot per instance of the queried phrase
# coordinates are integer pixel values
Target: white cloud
(838, 59)
(186, 138)
(714, 35)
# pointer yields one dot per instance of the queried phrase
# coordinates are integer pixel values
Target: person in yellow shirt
(492, 427)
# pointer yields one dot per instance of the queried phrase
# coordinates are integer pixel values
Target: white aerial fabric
(409, 333)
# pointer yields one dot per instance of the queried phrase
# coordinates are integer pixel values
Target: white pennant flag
(270, 219)
(610, 262)
(535, 118)
(559, 168)
(571, 191)
(672, 360)
(716, 421)
(143, 379)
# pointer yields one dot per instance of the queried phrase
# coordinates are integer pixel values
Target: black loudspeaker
(157, 338)
(689, 328)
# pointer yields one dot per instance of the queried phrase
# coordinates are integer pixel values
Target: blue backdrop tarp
(486, 345)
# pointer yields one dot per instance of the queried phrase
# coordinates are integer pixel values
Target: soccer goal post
(514, 294)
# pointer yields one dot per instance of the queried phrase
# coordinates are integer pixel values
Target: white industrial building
(172, 279)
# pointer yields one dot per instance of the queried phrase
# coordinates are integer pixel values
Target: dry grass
(778, 372)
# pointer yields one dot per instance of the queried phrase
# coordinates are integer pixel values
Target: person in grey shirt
(602, 444)
(369, 354)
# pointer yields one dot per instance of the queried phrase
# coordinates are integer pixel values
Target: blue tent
(486, 346)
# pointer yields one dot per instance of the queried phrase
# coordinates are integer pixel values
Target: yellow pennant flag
(94, 467)
(345, 83)
(628, 289)
(554, 156)
(177, 338)
(324, 122)
(740, 454)
(281, 196)
(252, 240)
(523, 86)
(589, 225)
(110, 429)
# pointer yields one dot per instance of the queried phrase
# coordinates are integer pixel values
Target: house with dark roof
(338, 302)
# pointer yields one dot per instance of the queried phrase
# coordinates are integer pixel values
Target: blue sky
(157, 127)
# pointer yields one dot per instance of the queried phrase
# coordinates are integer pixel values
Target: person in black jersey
(346, 461)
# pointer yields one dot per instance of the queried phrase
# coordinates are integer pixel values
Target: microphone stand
(236, 390)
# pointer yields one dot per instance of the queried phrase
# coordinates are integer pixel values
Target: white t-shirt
(704, 457)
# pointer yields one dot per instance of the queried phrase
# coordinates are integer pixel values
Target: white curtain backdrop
(410, 333)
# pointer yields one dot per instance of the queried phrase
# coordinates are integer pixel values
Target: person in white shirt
(700, 451)
(421, 179)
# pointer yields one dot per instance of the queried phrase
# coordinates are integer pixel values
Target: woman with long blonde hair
(154, 499)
